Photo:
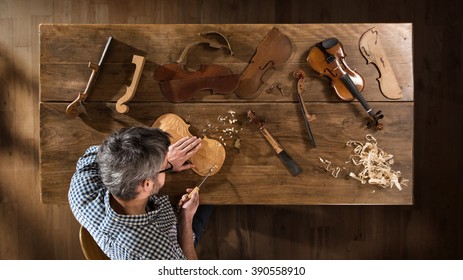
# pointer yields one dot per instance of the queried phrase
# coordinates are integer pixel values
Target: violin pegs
(379, 115)
(369, 124)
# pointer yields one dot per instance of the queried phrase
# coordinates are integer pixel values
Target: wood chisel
(281, 153)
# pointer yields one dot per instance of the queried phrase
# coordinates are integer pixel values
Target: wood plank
(253, 174)
(61, 52)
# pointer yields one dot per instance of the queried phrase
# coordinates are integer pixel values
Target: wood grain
(61, 53)
(253, 164)
(249, 173)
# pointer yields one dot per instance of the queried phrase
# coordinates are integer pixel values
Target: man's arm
(188, 209)
(86, 181)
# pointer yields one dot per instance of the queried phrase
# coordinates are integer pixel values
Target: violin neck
(354, 90)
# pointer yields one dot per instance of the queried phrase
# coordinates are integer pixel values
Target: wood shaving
(224, 127)
(334, 171)
(376, 164)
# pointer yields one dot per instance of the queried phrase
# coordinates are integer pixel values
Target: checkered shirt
(130, 237)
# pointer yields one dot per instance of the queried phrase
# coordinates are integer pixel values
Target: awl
(281, 153)
(198, 187)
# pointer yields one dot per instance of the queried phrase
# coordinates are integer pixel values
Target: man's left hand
(181, 151)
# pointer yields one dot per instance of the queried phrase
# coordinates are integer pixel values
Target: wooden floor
(430, 229)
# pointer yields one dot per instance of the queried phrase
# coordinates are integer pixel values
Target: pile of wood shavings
(376, 164)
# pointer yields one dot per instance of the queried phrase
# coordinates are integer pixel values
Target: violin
(211, 152)
(328, 59)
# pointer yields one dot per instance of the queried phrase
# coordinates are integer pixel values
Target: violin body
(272, 53)
(180, 85)
(211, 153)
(328, 59)
(316, 60)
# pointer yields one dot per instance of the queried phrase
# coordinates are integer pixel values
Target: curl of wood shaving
(334, 171)
(376, 164)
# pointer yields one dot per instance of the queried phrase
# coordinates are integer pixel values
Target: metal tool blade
(198, 187)
(289, 163)
(105, 50)
(205, 178)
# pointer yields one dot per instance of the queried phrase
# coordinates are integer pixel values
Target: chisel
(281, 153)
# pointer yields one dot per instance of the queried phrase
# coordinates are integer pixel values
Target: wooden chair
(89, 247)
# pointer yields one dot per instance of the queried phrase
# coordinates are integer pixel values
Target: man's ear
(145, 184)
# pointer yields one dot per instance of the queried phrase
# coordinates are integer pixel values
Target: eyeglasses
(169, 168)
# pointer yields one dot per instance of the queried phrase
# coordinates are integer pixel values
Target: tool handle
(276, 146)
(196, 189)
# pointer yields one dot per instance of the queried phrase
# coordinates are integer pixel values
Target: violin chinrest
(211, 153)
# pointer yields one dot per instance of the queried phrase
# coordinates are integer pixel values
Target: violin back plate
(184, 89)
(179, 85)
(371, 48)
(272, 52)
(212, 152)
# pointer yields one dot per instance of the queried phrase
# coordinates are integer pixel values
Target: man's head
(130, 156)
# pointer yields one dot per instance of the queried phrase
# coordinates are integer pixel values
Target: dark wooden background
(430, 229)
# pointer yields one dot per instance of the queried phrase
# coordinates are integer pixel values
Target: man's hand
(181, 151)
(187, 207)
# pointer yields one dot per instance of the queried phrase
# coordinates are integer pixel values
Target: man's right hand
(187, 207)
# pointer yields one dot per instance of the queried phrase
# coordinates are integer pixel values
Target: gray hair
(129, 156)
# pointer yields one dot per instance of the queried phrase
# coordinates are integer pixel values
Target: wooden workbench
(252, 174)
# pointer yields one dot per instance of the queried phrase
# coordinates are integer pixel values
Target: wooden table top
(252, 174)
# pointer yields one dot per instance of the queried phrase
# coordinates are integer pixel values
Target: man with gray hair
(114, 195)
